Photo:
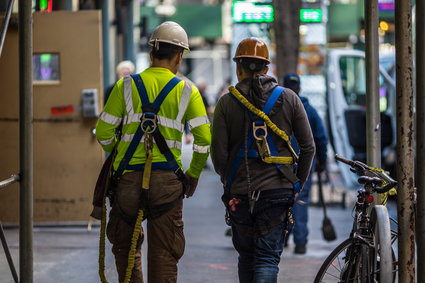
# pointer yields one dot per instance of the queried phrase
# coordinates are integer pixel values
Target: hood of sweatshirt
(257, 90)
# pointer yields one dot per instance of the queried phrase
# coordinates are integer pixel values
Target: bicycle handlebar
(362, 169)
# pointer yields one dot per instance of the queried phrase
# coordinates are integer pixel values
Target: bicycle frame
(366, 255)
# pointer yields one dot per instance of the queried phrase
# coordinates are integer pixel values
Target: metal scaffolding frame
(420, 142)
(25, 142)
(405, 141)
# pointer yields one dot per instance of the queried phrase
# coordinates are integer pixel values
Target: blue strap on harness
(154, 107)
(155, 165)
(161, 96)
(253, 153)
(150, 109)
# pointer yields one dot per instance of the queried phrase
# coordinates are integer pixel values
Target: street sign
(252, 12)
(311, 15)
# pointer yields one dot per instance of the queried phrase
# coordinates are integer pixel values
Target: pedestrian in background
(300, 211)
(124, 68)
(256, 164)
(132, 103)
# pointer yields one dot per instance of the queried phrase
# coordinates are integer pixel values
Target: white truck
(346, 109)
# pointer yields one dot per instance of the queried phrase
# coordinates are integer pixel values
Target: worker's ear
(150, 57)
(180, 57)
(239, 71)
(265, 70)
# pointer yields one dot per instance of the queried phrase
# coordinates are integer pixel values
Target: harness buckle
(148, 141)
(259, 128)
(148, 122)
(263, 147)
(259, 131)
(255, 195)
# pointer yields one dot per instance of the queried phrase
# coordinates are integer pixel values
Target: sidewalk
(70, 254)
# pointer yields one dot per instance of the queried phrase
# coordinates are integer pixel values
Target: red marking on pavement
(218, 266)
(224, 266)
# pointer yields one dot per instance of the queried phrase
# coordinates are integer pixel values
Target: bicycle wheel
(382, 258)
(346, 263)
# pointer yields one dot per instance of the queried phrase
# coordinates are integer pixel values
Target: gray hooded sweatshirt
(230, 127)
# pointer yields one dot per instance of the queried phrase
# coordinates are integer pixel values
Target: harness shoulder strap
(161, 96)
(274, 96)
(154, 107)
(271, 101)
(141, 88)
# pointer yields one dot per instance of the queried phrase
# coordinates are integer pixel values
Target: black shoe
(229, 232)
(300, 249)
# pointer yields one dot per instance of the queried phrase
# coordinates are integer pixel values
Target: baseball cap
(292, 81)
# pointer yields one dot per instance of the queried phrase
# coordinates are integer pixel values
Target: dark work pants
(259, 237)
(165, 234)
(300, 212)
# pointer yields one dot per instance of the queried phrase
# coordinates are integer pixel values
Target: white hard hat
(172, 33)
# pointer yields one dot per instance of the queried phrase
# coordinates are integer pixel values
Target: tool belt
(267, 199)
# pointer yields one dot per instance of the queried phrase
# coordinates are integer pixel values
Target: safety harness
(148, 130)
(266, 148)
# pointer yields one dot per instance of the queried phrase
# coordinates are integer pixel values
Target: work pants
(300, 214)
(259, 237)
(165, 233)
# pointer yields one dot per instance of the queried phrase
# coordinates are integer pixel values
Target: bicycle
(367, 255)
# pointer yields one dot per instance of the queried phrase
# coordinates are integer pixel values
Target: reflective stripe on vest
(154, 108)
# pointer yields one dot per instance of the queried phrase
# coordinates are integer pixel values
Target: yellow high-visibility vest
(182, 105)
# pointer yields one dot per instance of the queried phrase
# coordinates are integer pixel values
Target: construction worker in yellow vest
(152, 108)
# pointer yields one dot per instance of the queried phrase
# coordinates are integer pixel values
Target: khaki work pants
(166, 240)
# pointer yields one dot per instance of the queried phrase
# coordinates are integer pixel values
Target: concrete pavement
(70, 254)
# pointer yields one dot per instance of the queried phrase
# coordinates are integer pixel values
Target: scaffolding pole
(106, 30)
(373, 119)
(129, 34)
(25, 143)
(405, 141)
(420, 143)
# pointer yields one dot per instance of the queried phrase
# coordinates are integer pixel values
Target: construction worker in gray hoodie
(251, 152)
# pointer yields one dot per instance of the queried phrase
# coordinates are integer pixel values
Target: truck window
(353, 80)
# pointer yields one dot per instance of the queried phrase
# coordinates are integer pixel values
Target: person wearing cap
(124, 68)
(181, 104)
(300, 231)
(252, 154)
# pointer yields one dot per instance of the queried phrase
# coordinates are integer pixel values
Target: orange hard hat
(252, 47)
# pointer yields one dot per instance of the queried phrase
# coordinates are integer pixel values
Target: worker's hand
(300, 188)
(192, 183)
